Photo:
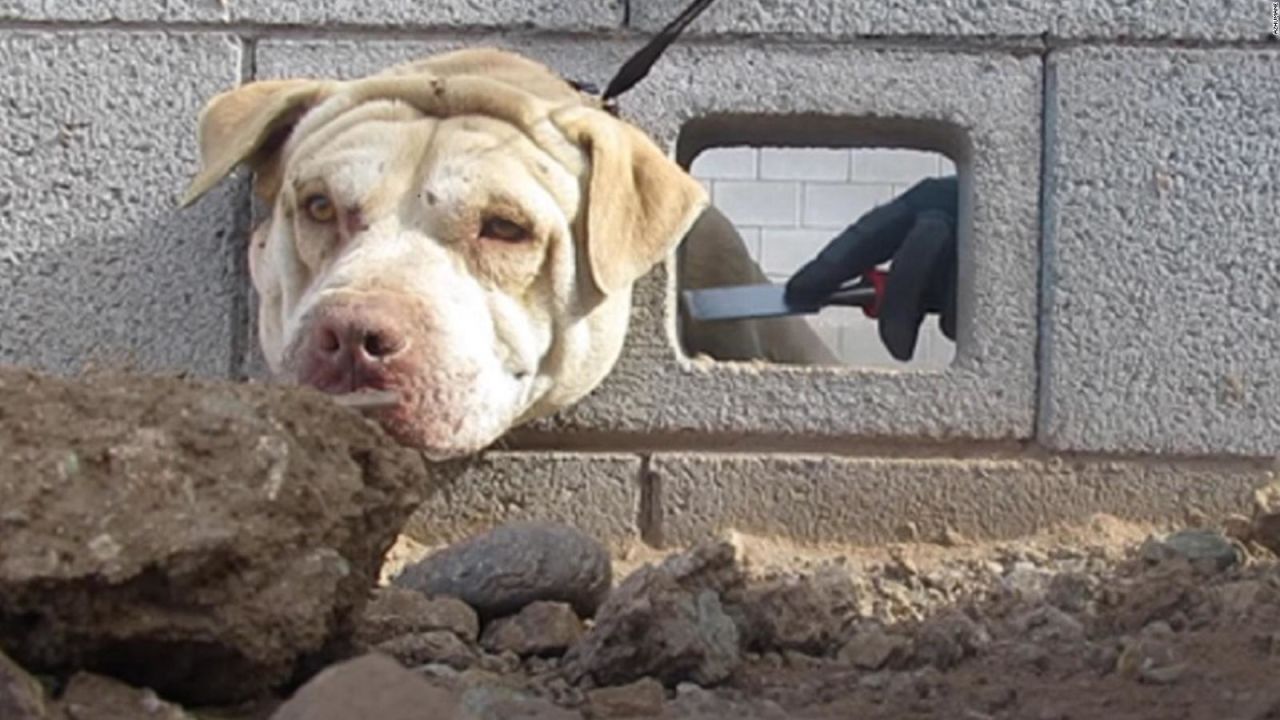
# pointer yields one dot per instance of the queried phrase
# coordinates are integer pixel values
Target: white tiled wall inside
(789, 202)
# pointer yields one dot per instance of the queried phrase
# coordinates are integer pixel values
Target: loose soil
(1084, 622)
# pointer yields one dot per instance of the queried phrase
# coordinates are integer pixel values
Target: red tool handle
(867, 294)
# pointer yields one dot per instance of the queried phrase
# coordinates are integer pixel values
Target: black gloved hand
(917, 230)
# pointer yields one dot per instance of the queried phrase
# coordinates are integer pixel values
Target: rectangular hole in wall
(789, 186)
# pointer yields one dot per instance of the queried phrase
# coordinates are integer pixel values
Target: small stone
(487, 702)
(477, 678)
(1265, 531)
(715, 565)
(438, 670)
(1031, 655)
(1266, 499)
(772, 660)
(370, 686)
(952, 538)
(688, 689)
(875, 680)
(94, 697)
(874, 648)
(393, 612)
(643, 698)
(505, 662)
(804, 662)
(1267, 643)
(1196, 518)
(908, 532)
(950, 637)
(541, 628)
(1048, 624)
(902, 566)
(1238, 527)
(1101, 657)
(1163, 675)
(21, 697)
(1071, 591)
(1238, 597)
(1026, 582)
(1205, 549)
(437, 646)
(1158, 630)
(499, 572)
(651, 625)
(787, 614)
(1140, 657)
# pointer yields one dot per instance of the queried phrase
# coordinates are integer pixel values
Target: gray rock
(696, 703)
(501, 571)
(1205, 549)
(1048, 624)
(874, 648)
(504, 662)
(1151, 657)
(21, 697)
(93, 697)
(640, 699)
(541, 628)
(786, 614)
(438, 646)
(950, 637)
(1264, 527)
(396, 611)
(1239, 597)
(1072, 591)
(714, 565)
(652, 626)
(1026, 582)
(370, 686)
(489, 702)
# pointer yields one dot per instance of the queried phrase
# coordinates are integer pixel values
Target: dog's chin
(434, 438)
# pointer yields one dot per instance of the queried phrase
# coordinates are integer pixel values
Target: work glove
(917, 231)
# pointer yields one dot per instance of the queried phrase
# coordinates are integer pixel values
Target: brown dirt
(1080, 622)
(1220, 634)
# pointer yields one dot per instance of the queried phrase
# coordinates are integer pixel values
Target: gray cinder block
(1163, 266)
(587, 59)
(959, 19)
(817, 498)
(579, 15)
(117, 10)
(982, 109)
(97, 266)
(598, 493)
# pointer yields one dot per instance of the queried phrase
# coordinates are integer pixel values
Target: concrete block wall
(1119, 338)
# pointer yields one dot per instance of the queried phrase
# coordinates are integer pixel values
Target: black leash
(638, 65)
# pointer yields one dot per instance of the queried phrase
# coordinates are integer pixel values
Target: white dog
(463, 231)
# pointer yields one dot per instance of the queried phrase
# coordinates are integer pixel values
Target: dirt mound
(200, 539)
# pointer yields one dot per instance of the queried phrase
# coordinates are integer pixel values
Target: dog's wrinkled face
(468, 244)
(419, 255)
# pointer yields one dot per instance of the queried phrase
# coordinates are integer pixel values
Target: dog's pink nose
(352, 347)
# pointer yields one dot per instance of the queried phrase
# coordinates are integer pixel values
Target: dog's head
(464, 231)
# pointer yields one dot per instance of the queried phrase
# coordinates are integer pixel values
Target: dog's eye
(498, 228)
(320, 208)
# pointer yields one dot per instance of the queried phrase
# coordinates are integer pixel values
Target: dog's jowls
(463, 231)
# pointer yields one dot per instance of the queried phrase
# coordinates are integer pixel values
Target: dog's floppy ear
(639, 202)
(249, 125)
